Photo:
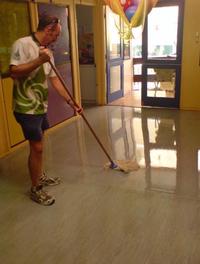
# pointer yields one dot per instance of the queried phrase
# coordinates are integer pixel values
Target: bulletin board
(14, 23)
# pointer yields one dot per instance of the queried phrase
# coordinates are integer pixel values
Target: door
(115, 68)
(162, 46)
(58, 110)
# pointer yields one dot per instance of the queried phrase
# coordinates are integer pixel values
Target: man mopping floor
(30, 69)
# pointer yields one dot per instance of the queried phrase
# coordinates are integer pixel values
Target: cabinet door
(14, 129)
(3, 125)
(14, 23)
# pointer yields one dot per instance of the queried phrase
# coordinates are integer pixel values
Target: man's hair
(46, 20)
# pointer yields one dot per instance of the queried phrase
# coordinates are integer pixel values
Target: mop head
(125, 166)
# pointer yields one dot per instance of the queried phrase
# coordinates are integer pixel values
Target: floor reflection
(160, 149)
(164, 144)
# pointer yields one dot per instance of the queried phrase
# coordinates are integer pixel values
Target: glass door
(115, 69)
(162, 42)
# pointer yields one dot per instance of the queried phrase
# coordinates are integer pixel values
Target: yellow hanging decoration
(132, 12)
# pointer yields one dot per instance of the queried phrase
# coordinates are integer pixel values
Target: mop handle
(83, 116)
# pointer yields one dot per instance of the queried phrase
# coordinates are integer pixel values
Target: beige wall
(190, 81)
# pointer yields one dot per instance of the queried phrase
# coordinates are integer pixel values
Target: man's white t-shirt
(30, 94)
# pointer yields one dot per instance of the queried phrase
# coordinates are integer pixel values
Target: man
(29, 68)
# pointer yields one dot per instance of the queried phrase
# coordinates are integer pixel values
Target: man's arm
(23, 70)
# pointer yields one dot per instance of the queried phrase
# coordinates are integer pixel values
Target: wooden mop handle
(84, 118)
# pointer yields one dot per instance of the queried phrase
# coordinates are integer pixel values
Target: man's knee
(36, 147)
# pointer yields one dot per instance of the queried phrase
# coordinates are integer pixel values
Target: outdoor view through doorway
(156, 58)
(162, 44)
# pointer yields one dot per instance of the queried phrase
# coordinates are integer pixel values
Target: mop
(120, 165)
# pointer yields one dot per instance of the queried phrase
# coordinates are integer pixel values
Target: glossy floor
(132, 98)
(104, 216)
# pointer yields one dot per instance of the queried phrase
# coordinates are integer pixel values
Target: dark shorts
(33, 126)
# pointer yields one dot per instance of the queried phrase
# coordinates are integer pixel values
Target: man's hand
(77, 108)
(44, 54)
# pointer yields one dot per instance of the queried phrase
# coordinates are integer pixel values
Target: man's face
(51, 34)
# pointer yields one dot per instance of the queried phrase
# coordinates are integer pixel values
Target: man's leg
(33, 128)
(35, 161)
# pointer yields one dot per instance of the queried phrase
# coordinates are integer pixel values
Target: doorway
(87, 65)
(162, 51)
(156, 56)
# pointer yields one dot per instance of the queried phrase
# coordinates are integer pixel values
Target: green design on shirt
(30, 94)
